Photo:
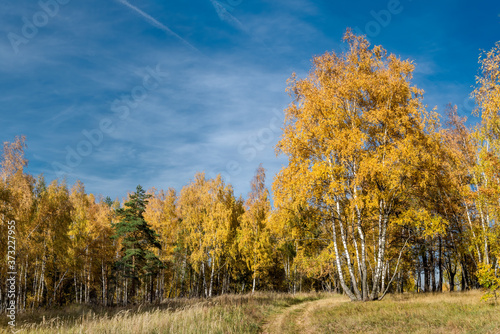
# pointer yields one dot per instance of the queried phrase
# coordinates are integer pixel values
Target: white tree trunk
(346, 253)
(339, 264)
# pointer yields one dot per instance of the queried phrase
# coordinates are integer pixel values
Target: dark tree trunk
(440, 267)
(425, 265)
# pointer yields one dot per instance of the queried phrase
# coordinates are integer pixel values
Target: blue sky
(118, 93)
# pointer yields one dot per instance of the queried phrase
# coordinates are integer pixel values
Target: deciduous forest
(381, 194)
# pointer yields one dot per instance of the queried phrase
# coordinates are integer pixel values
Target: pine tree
(138, 261)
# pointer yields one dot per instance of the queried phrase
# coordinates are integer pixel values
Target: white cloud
(157, 24)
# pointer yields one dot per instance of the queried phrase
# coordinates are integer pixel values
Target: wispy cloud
(214, 111)
(158, 24)
(227, 17)
(61, 117)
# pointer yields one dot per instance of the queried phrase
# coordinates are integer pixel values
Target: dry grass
(278, 313)
(297, 318)
(224, 314)
(412, 313)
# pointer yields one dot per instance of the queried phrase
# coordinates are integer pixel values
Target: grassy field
(277, 313)
(407, 313)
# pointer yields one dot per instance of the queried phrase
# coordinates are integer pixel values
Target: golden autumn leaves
(377, 196)
(352, 134)
(369, 159)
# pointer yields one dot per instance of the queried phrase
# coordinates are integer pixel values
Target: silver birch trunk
(485, 235)
(104, 284)
(362, 263)
(347, 255)
(204, 280)
(211, 279)
(383, 220)
(339, 264)
(472, 230)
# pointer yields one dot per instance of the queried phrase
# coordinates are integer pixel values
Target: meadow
(267, 312)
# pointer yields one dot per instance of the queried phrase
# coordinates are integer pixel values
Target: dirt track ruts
(297, 318)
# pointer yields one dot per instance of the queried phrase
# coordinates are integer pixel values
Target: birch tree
(486, 178)
(209, 216)
(161, 214)
(357, 139)
(254, 241)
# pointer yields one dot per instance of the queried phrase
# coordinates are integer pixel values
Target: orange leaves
(430, 223)
(359, 143)
(253, 234)
(487, 92)
(13, 157)
(353, 109)
(207, 208)
(161, 214)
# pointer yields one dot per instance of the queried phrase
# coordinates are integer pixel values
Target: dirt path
(297, 318)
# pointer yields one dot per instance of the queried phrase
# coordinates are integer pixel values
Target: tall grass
(404, 313)
(412, 313)
(223, 314)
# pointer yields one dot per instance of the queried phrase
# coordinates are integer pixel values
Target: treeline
(408, 204)
(72, 247)
(378, 196)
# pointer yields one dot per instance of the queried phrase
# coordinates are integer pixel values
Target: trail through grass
(277, 313)
(297, 318)
(224, 314)
(408, 313)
